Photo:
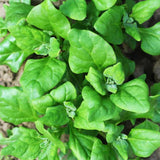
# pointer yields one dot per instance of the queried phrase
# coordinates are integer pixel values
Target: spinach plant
(76, 83)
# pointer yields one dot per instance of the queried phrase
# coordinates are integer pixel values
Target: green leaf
(96, 79)
(151, 39)
(54, 48)
(52, 137)
(148, 125)
(96, 52)
(46, 16)
(15, 12)
(133, 31)
(49, 152)
(155, 89)
(10, 54)
(122, 147)
(138, 137)
(74, 9)
(15, 107)
(65, 92)
(80, 144)
(99, 108)
(23, 144)
(113, 132)
(41, 75)
(101, 151)
(132, 96)
(22, 1)
(142, 11)
(116, 73)
(128, 65)
(55, 116)
(109, 24)
(104, 4)
(81, 120)
(27, 37)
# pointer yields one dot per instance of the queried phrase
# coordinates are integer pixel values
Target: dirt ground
(144, 64)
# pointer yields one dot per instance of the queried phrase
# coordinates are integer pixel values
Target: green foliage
(77, 82)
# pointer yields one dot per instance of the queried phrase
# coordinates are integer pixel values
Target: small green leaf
(23, 144)
(46, 16)
(10, 54)
(138, 137)
(96, 79)
(132, 96)
(54, 48)
(52, 137)
(75, 9)
(27, 37)
(41, 75)
(116, 73)
(55, 116)
(104, 4)
(155, 89)
(142, 11)
(15, 12)
(151, 39)
(109, 24)
(15, 107)
(122, 147)
(148, 125)
(81, 120)
(65, 92)
(99, 108)
(96, 52)
(80, 144)
(101, 151)
(70, 109)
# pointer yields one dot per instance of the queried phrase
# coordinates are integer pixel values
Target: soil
(144, 64)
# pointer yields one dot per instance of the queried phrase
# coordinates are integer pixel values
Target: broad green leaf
(133, 31)
(10, 54)
(151, 39)
(65, 92)
(128, 65)
(80, 144)
(22, 1)
(101, 151)
(41, 75)
(15, 107)
(23, 144)
(15, 12)
(109, 24)
(122, 147)
(95, 53)
(27, 37)
(142, 11)
(104, 4)
(116, 73)
(96, 79)
(99, 108)
(52, 137)
(130, 4)
(74, 9)
(144, 141)
(55, 116)
(46, 16)
(54, 48)
(148, 125)
(81, 120)
(132, 96)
